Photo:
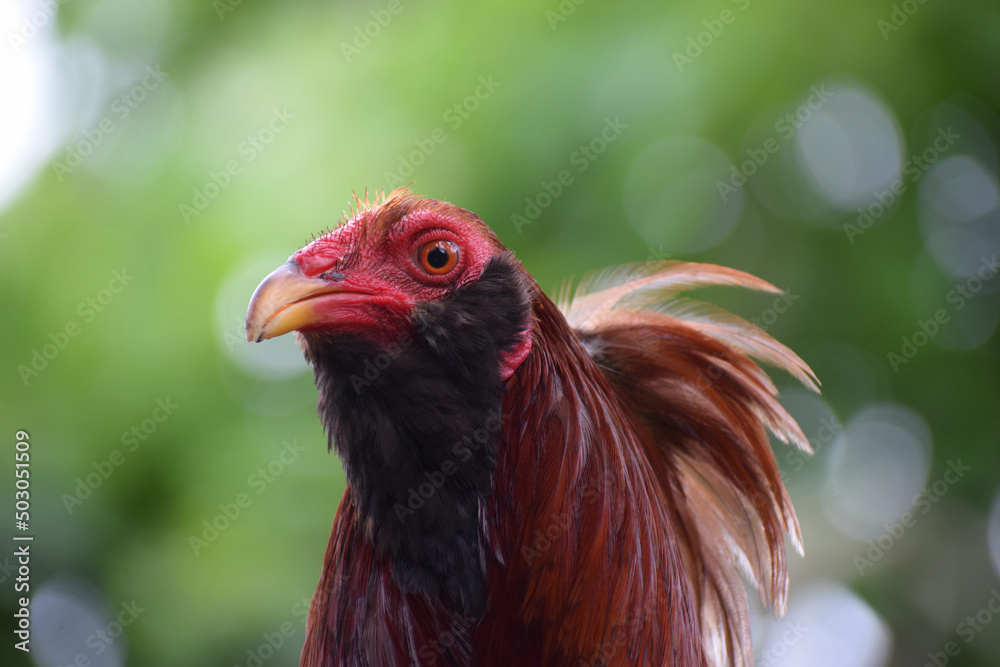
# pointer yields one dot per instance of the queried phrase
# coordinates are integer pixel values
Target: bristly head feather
(379, 211)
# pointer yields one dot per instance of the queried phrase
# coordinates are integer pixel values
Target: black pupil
(437, 258)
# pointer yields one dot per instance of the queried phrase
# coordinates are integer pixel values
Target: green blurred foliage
(172, 332)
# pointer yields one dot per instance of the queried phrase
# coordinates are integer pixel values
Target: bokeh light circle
(70, 620)
(993, 533)
(878, 464)
(826, 626)
(852, 148)
(672, 195)
(960, 214)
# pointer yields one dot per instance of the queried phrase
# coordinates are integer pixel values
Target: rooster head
(376, 275)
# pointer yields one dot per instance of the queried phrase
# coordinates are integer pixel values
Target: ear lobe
(511, 360)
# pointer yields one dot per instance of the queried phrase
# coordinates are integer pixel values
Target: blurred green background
(159, 158)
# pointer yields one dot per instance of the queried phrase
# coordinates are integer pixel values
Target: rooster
(532, 484)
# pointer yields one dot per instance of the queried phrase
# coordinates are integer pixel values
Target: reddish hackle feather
(633, 481)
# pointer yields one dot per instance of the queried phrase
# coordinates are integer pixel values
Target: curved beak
(283, 302)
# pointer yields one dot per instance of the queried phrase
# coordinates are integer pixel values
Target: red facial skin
(382, 278)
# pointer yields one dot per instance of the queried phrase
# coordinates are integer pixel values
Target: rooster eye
(438, 257)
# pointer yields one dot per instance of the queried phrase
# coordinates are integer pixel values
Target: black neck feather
(416, 425)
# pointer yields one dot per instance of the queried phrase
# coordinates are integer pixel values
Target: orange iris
(438, 257)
